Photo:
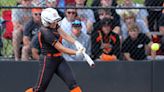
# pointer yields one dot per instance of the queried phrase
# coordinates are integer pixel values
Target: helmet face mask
(49, 15)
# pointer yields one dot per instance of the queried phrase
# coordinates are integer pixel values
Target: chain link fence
(111, 30)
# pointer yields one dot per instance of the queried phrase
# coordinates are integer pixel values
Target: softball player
(51, 60)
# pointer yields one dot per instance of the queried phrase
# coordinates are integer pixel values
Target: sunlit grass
(7, 2)
(136, 1)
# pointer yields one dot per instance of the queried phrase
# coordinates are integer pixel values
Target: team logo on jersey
(140, 46)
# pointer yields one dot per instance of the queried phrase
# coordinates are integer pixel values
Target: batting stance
(51, 60)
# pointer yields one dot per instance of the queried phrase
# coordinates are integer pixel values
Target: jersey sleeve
(35, 42)
(27, 29)
(50, 37)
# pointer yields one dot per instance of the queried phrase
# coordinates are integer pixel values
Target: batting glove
(80, 51)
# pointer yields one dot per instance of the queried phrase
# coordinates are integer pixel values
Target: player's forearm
(117, 30)
(35, 54)
(89, 27)
(66, 36)
(127, 57)
(130, 59)
(153, 54)
(63, 49)
(26, 40)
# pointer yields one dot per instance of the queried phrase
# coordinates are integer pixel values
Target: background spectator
(83, 38)
(35, 48)
(105, 43)
(19, 19)
(53, 3)
(106, 13)
(111, 12)
(97, 2)
(161, 28)
(134, 45)
(38, 2)
(2, 24)
(6, 34)
(154, 14)
(86, 15)
(70, 16)
(140, 13)
(160, 38)
(129, 17)
(31, 29)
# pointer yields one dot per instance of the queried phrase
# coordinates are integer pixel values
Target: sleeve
(50, 37)
(142, 12)
(143, 27)
(27, 29)
(35, 42)
(91, 16)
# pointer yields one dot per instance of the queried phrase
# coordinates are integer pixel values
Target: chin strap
(76, 89)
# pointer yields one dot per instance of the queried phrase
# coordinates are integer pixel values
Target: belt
(54, 55)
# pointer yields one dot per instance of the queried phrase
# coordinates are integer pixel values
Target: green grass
(119, 1)
(8, 2)
(136, 1)
(139, 1)
(13, 2)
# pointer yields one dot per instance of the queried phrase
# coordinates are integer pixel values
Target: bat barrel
(93, 66)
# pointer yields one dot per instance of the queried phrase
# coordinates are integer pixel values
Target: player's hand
(80, 51)
(78, 45)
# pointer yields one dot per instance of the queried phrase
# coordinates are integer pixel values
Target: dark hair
(107, 11)
(72, 5)
(106, 21)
